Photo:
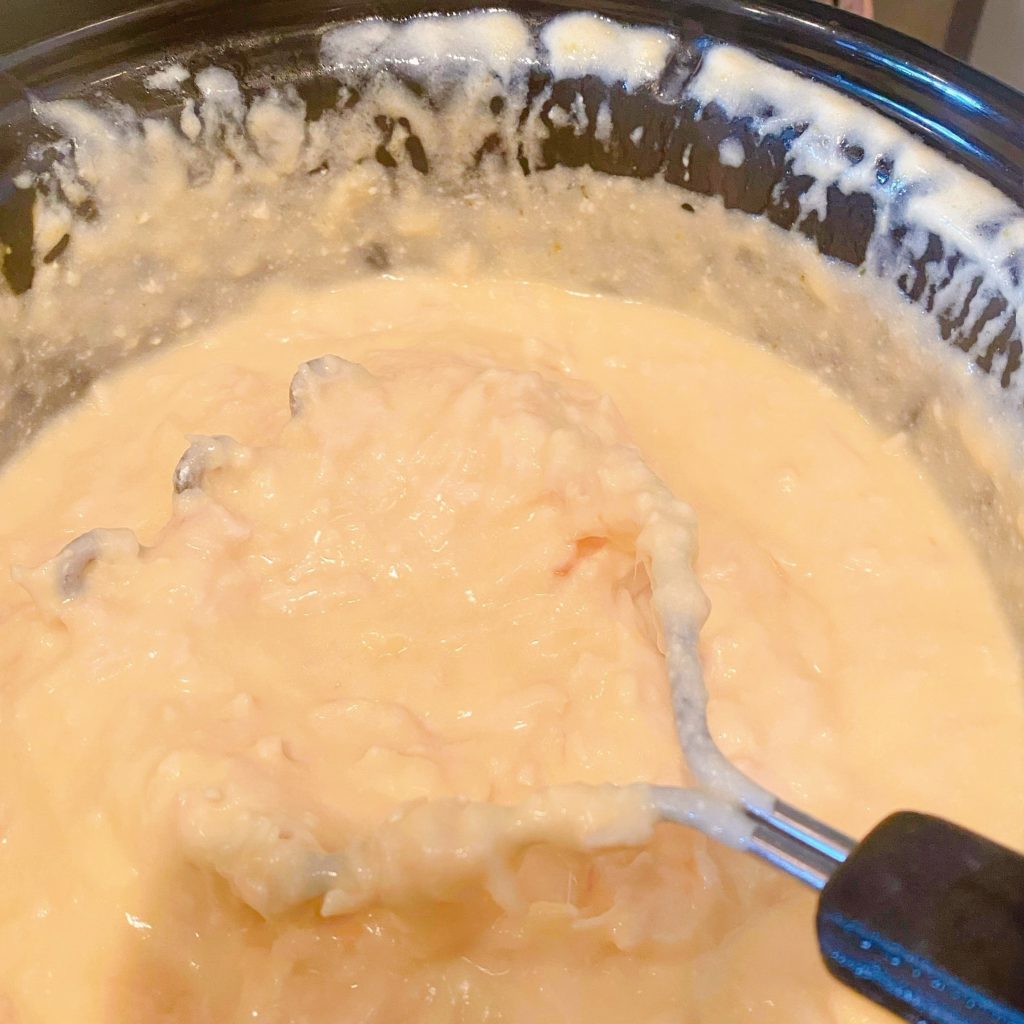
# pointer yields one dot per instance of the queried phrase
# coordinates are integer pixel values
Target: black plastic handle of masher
(927, 920)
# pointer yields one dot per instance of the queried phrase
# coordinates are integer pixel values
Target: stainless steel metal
(72, 561)
(202, 455)
(796, 843)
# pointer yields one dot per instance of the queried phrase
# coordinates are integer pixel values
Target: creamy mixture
(415, 584)
(334, 641)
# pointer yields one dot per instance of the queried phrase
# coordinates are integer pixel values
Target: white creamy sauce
(730, 152)
(586, 44)
(170, 78)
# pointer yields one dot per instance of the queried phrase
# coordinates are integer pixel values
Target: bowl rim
(964, 113)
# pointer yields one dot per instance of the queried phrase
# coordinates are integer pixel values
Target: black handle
(927, 919)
